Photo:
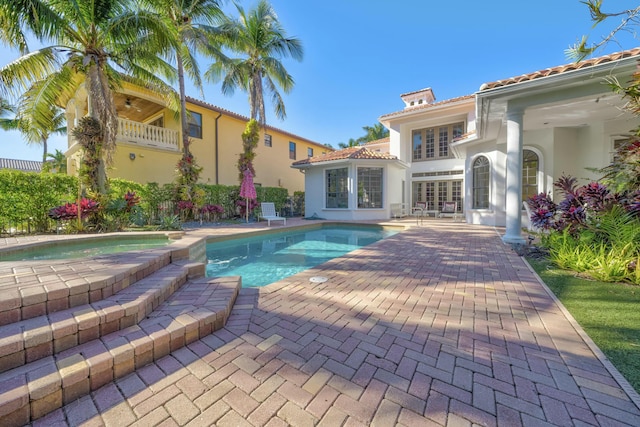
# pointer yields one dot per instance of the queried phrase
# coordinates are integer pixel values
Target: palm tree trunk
(102, 108)
(183, 106)
(44, 152)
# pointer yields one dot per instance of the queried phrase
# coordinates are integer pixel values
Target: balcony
(147, 135)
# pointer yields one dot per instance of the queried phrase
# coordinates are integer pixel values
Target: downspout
(216, 145)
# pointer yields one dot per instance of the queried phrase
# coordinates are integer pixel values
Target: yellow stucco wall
(272, 164)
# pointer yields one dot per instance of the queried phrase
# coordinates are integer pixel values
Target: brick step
(29, 340)
(31, 391)
(30, 289)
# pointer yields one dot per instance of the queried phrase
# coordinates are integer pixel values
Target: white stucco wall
(315, 191)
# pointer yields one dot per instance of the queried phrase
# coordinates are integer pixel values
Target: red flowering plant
(242, 204)
(185, 208)
(210, 212)
(131, 199)
(69, 211)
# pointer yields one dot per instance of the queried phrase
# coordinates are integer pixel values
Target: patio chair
(450, 209)
(268, 212)
(418, 211)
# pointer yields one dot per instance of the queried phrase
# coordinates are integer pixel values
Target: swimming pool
(262, 260)
(85, 247)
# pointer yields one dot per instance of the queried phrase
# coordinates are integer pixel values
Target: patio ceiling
(576, 112)
(133, 108)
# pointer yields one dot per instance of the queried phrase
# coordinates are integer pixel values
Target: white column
(514, 176)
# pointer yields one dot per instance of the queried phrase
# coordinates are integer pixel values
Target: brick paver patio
(439, 325)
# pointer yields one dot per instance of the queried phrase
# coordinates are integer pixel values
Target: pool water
(84, 249)
(262, 260)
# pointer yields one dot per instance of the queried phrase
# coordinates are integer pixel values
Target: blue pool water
(261, 260)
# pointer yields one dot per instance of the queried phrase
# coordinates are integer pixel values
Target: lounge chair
(450, 209)
(268, 212)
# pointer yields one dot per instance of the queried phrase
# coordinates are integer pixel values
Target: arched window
(481, 169)
(530, 166)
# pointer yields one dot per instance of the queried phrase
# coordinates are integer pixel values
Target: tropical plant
(190, 26)
(628, 18)
(57, 164)
(88, 133)
(169, 222)
(260, 39)
(351, 143)
(5, 122)
(374, 133)
(85, 42)
(250, 138)
(35, 132)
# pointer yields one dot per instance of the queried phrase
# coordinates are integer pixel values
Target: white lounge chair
(268, 212)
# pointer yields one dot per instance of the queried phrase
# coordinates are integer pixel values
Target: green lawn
(608, 312)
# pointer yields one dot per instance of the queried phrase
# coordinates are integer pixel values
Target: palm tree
(57, 164)
(190, 23)
(86, 41)
(373, 133)
(352, 143)
(262, 41)
(35, 132)
(7, 108)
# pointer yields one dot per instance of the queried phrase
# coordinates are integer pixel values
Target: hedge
(27, 197)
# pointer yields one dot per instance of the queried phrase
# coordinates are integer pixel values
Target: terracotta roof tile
(465, 136)
(21, 165)
(427, 106)
(378, 141)
(525, 77)
(562, 69)
(359, 153)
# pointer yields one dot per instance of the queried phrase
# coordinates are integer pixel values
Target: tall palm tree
(35, 132)
(57, 164)
(352, 143)
(261, 40)
(191, 24)
(85, 41)
(7, 123)
(373, 133)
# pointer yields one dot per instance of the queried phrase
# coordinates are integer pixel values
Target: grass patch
(608, 312)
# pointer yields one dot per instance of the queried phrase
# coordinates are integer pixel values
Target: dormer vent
(418, 98)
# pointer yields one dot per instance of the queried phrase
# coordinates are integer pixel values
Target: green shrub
(26, 197)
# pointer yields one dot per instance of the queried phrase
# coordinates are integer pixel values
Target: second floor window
(267, 140)
(194, 121)
(433, 143)
(292, 150)
(309, 152)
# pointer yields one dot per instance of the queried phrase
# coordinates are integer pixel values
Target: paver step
(30, 289)
(28, 340)
(198, 308)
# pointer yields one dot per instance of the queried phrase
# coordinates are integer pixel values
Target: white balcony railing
(147, 135)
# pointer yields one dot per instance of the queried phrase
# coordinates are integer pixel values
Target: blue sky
(360, 55)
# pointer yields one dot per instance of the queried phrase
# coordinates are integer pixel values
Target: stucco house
(149, 143)
(352, 183)
(490, 150)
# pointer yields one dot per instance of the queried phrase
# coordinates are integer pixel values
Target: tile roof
(427, 106)
(21, 165)
(209, 106)
(378, 141)
(525, 77)
(562, 69)
(357, 153)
